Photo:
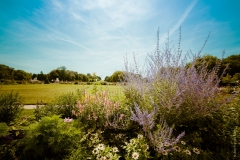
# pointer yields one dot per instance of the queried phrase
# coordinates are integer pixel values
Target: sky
(97, 35)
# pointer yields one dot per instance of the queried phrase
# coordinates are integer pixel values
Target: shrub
(46, 110)
(186, 97)
(10, 106)
(50, 138)
(137, 148)
(3, 129)
(96, 109)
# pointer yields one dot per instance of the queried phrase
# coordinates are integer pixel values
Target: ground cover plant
(168, 111)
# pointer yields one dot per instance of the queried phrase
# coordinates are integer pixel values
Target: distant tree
(34, 75)
(83, 78)
(99, 78)
(209, 60)
(6, 72)
(95, 77)
(54, 74)
(21, 75)
(233, 63)
(107, 79)
(41, 76)
(46, 80)
(117, 76)
(71, 75)
(90, 77)
(62, 72)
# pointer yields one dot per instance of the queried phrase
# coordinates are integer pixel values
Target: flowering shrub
(137, 148)
(160, 135)
(103, 152)
(186, 97)
(98, 110)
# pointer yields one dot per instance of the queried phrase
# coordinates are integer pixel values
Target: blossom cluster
(103, 152)
(89, 102)
(67, 119)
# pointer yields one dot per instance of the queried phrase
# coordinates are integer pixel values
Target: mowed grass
(33, 93)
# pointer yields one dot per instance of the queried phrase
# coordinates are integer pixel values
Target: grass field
(47, 92)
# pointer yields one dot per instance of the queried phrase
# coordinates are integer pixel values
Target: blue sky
(96, 35)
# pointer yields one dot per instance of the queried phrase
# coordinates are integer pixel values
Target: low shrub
(3, 129)
(10, 106)
(50, 138)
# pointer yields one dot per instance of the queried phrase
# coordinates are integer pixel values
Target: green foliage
(80, 152)
(233, 62)
(117, 76)
(3, 129)
(45, 110)
(137, 148)
(62, 105)
(208, 60)
(8, 151)
(186, 97)
(21, 75)
(10, 106)
(6, 72)
(50, 138)
(102, 151)
(19, 126)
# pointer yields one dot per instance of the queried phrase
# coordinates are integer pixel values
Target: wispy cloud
(95, 35)
(180, 21)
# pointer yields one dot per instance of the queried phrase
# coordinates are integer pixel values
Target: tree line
(10, 74)
(231, 75)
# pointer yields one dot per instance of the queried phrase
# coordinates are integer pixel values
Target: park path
(30, 106)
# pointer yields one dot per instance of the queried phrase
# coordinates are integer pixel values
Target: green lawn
(47, 92)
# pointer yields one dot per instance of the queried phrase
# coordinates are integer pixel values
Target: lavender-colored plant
(160, 136)
(178, 92)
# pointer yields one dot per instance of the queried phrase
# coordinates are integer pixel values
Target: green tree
(54, 74)
(209, 60)
(6, 72)
(62, 72)
(83, 78)
(117, 76)
(21, 75)
(34, 75)
(233, 63)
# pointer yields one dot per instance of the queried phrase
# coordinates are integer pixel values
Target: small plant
(95, 109)
(4, 129)
(50, 138)
(10, 106)
(137, 148)
(104, 152)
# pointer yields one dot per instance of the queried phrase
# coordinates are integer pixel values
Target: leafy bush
(50, 138)
(137, 148)
(45, 110)
(3, 129)
(10, 106)
(186, 97)
(62, 105)
(96, 109)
